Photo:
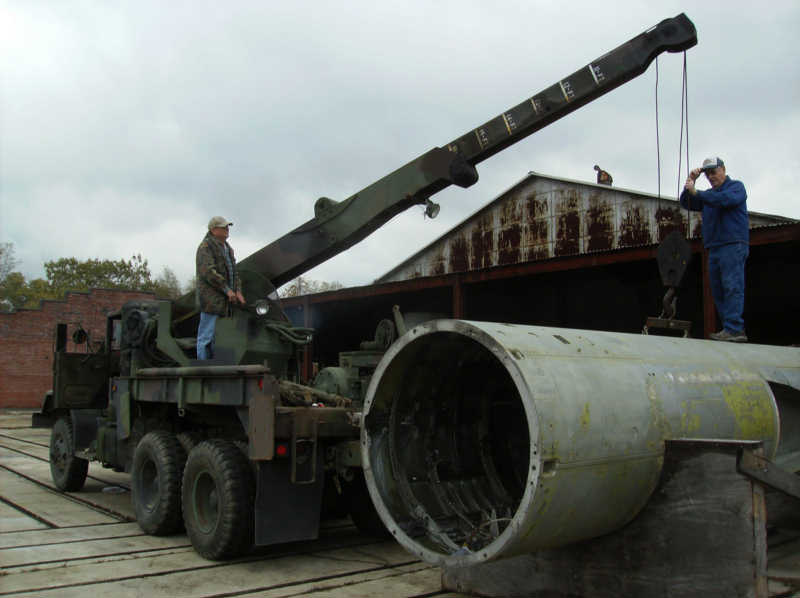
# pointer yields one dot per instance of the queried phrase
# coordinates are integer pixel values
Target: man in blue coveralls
(726, 235)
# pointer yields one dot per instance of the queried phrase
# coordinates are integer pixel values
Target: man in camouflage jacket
(218, 285)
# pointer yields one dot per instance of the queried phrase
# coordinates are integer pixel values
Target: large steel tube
(486, 440)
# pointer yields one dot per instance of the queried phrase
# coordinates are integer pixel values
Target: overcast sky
(124, 126)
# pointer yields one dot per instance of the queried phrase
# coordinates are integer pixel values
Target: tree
(167, 286)
(7, 260)
(70, 274)
(17, 293)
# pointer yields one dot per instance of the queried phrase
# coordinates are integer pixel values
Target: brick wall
(27, 337)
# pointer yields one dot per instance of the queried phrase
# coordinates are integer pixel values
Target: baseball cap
(218, 222)
(711, 164)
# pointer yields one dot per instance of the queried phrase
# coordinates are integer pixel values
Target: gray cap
(712, 163)
(218, 222)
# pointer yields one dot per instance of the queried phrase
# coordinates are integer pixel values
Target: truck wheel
(362, 511)
(189, 440)
(156, 483)
(68, 471)
(218, 494)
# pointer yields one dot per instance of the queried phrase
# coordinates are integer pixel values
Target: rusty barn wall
(543, 217)
(26, 340)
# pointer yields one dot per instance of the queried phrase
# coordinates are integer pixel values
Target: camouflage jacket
(213, 276)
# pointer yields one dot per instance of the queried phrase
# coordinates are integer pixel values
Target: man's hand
(689, 186)
(235, 297)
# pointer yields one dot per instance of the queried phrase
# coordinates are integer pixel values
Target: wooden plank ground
(86, 543)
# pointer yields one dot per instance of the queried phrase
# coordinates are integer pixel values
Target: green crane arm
(337, 226)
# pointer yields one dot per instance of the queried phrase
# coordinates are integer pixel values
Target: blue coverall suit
(726, 235)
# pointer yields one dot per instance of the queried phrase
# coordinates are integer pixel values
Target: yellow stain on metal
(751, 405)
(690, 422)
(585, 417)
(658, 419)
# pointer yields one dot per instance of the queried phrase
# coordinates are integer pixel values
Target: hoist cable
(658, 142)
(684, 120)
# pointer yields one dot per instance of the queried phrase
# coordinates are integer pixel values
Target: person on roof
(726, 236)
(603, 177)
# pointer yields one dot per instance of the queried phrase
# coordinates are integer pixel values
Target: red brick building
(26, 340)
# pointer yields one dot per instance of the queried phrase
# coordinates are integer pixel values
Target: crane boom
(337, 226)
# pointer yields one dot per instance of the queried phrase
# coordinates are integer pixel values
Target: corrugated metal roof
(542, 217)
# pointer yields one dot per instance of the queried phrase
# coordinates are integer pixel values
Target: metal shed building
(553, 251)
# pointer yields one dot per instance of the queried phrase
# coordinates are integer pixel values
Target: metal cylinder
(487, 440)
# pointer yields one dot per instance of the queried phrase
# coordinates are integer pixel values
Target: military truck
(235, 449)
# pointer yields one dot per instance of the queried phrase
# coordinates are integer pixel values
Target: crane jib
(339, 225)
(584, 85)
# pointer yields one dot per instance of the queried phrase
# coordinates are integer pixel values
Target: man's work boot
(726, 335)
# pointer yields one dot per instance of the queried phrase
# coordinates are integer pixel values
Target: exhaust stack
(485, 440)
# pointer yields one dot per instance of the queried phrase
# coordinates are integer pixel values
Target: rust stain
(568, 222)
(509, 238)
(599, 227)
(567, 234)
(511, 212)
(509, 244)
(536, 233)
(438, 263)
(634, 228)
(537, 252)
(565, 200)
(668, 220)
(459, 260)
(536, 208)
(482, 244)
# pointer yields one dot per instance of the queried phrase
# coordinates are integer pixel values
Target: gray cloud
(125, 126)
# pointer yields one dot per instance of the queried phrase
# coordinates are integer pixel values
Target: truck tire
(218, 495)
(156, 478)
(362, 511)
(189, 440)
(68, 471)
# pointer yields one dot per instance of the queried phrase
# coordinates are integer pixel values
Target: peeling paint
(634, 228)
(482, 242)
(508, 245)
(599, 225)
(459, 258)
(568, 225)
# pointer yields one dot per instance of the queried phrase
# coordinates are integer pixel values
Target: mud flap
(286, 512)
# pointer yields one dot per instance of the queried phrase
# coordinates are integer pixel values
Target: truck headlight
(262, 307)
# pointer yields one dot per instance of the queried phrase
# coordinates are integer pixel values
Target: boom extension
(337, 226)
